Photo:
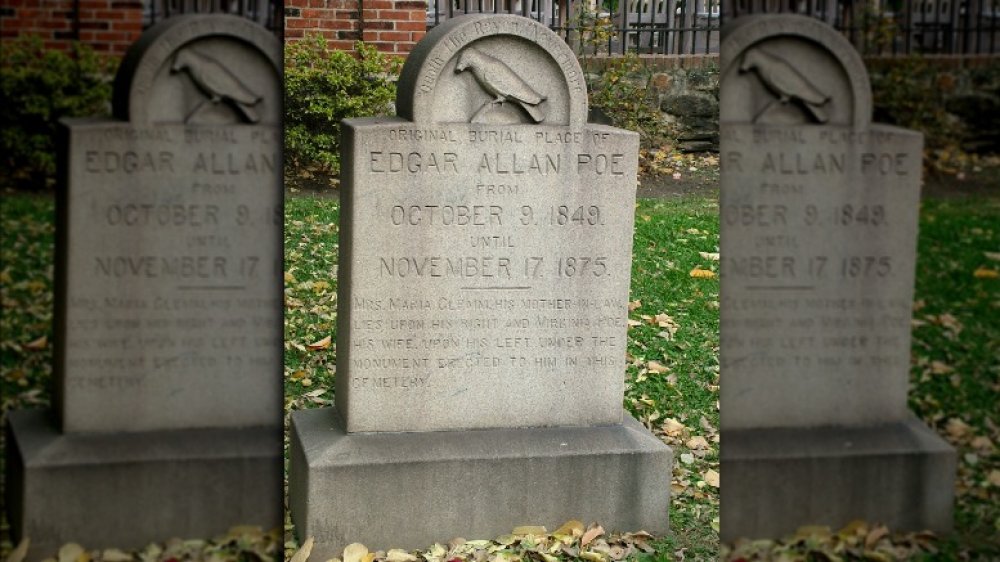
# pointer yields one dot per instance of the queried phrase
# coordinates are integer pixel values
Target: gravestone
(484, 270)
(818, 242)
(168, 336)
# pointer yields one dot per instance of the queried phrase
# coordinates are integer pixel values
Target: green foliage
(620, 93)
(909, 93)
(40, 86)
(323, 86)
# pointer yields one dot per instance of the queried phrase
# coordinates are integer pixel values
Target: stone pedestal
(129, 489)
(410, 490)
(777, 480)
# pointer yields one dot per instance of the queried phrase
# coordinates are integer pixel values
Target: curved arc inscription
(416, 99)
(757, 29)
(137, 75)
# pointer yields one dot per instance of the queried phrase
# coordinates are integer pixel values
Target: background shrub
(323, 86)
(38, 87)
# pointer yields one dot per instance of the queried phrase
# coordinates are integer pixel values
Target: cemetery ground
(672, 376)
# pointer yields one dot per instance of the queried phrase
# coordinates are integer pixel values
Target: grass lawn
(672, 375)
(672, 378)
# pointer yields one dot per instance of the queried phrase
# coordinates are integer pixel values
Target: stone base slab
(126, 490)
(776, 480)
(410, 490)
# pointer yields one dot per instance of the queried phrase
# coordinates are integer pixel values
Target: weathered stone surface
(776, 480)
(414, 489)
(126, 490)
(484, 263)
(507, 283)
(168, 303)
(818, 257)
(818, 244)
(169, 262)
(690, 105)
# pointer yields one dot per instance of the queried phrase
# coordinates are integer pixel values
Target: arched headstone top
(485, 68)
(792, 69)
(201, 69)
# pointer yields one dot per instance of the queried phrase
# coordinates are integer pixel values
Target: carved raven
(499, 80)
(218, 83)
(786, 83)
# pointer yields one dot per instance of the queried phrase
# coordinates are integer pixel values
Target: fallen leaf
(592, 533)
(302, 554)
(712, 478)
(398, 555)
(986, 273)
(321, 344)
(115, 555)
(355, 552)
(713, 256)
(571, 528)
(875, 535)
(699, 273)
(18, 554)
(697, 442)
(657, 367)
(38, 345)
(994, 478)
(526, 530)
(72, 552)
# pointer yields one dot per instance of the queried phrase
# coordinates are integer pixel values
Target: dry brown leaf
(321, 344)
(634, 305)
(72, 552)
(985, 273)
(994, 478)
(18, 554)
(115, 555)
(712, 478)
(592, 533)
(37, 345)
(302, 554)
(957, 428)
(875, 535)
(571, 528)
(657, 367)
(699, 273)
(355, 552)
(398, 555)
(672, 427)
(528, 530)
(697, 443)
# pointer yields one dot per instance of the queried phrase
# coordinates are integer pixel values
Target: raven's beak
(745, 64)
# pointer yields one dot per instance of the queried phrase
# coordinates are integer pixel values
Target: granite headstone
(818, 243)
(168, 302)
(485, 261)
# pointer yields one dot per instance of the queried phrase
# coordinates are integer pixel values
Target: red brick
(393, 15)
(300, 23)
(295, 33)
(336, 24)
(395, 36)
(411, 26)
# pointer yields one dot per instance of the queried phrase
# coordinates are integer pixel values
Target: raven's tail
(536, 114)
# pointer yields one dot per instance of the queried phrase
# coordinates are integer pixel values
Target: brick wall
(109, 26)
(392, 26)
